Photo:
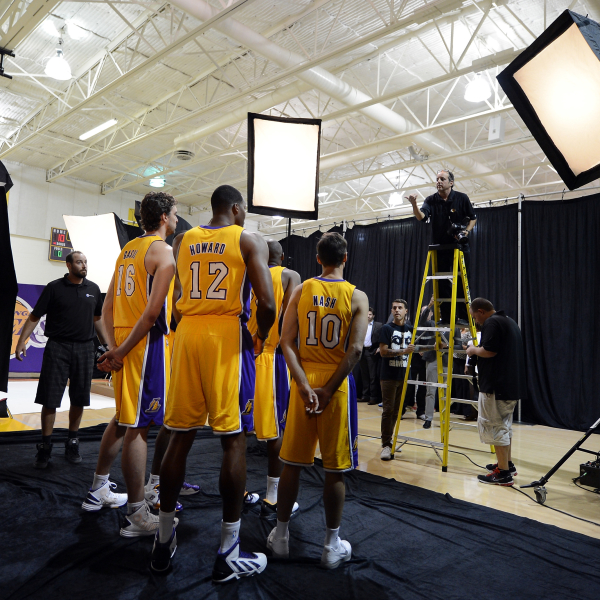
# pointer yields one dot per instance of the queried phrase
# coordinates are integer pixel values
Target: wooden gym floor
(535, 450)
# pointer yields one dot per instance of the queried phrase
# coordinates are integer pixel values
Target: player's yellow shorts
(335, 429)
(141, 385)
(271, 396)
(212, 376)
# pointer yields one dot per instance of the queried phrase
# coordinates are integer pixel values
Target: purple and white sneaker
(189, 489)
(235, 563)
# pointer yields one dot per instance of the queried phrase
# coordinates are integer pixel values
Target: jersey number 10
(330, 330)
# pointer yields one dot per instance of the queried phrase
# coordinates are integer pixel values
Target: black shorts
(73, 361)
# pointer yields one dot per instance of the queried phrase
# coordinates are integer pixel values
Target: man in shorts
(73, 306)
(272, 389)
(322, 338)
(213, 373)
(501, 369)
(137, 313)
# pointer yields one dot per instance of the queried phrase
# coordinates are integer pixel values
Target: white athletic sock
(133, 506)
(272, 485)
(152, 481)
(165, 525)
(282, 529)
(99, 480)
(229, 534)
(332, 537)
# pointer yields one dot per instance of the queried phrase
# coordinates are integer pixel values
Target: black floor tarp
(407, 542)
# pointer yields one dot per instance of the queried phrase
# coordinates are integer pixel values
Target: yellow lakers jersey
(272, 341)
(324, 317)
(212, 272)
(133, 285)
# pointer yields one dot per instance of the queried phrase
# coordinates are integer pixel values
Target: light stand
(539, 486)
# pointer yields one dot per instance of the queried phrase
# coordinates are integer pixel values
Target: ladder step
(419, 441)
(426, 383)
(463, 424)
(463, 401)
(468, 377)
(430, 277)
(434, 329)
(450, 300)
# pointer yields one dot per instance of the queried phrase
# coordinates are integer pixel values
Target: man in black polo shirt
(501, 368)
(72, 306)
(394, 347)
(442, 209)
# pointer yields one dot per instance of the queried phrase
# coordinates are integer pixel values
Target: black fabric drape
(8, 295)
(303, 253)
(561, 295)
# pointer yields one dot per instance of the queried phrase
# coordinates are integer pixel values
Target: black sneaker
(497, 477)
(427, 424)
(42, 458)
(235, 563)
(268, 510)
(511, 468)
(160, 561)
(72, 450)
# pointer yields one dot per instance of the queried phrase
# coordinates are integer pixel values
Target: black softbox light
(283, 166)
(555, 87)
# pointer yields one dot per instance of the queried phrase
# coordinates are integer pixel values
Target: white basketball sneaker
(333, 557)
(236, 563)
(279, 547)
(104, 496)
(141, 522)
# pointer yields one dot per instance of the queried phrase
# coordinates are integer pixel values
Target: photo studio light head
(555, 87)
(283, 166)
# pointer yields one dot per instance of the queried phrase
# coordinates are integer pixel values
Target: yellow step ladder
(444, 384)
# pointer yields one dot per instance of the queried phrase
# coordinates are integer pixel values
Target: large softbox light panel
(555, 87)
(283, 166)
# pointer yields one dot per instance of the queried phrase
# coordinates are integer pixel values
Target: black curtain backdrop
(9, 288)
(560, 290)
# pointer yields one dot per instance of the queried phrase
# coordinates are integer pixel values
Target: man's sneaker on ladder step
(104, 496)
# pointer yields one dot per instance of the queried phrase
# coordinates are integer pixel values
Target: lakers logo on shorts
(284, 417)
(248, 408)
(355, 445)
(154, 407)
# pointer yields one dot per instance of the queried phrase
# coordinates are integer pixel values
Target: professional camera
(458, 231)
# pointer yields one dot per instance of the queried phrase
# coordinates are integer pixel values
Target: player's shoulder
(359, 296)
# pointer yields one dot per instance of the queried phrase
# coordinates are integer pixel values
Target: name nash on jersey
(324, 301)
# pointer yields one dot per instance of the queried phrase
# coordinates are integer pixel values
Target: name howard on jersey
(207, 248)
(129, 254)
(324, 301)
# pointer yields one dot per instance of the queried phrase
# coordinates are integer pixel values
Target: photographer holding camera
(452, 220)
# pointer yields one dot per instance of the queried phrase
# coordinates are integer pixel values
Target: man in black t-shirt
(73, 306)
(442, 209)
(394, 347)
(501, 370)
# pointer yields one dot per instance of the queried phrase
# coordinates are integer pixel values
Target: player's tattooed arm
(289, 345)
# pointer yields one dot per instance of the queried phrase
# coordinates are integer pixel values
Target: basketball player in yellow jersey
(213, 369)
(272, 389)
(329, 317)
(137, 311)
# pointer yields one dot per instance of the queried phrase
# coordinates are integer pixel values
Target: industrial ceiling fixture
(555, 87)
(157, 182)
(478, 90)
(58, 67)
(395, 199)
(93, 132)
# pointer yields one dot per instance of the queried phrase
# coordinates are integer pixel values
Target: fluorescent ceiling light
(93, 132)
(395, 199)
(157, 182)
(75, 32)
(321, 194)
(58, 67)
(478, 90)
(50, 28)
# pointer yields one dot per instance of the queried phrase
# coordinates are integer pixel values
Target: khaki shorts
(495, 420)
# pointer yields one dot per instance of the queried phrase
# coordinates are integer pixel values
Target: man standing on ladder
(452, 220)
